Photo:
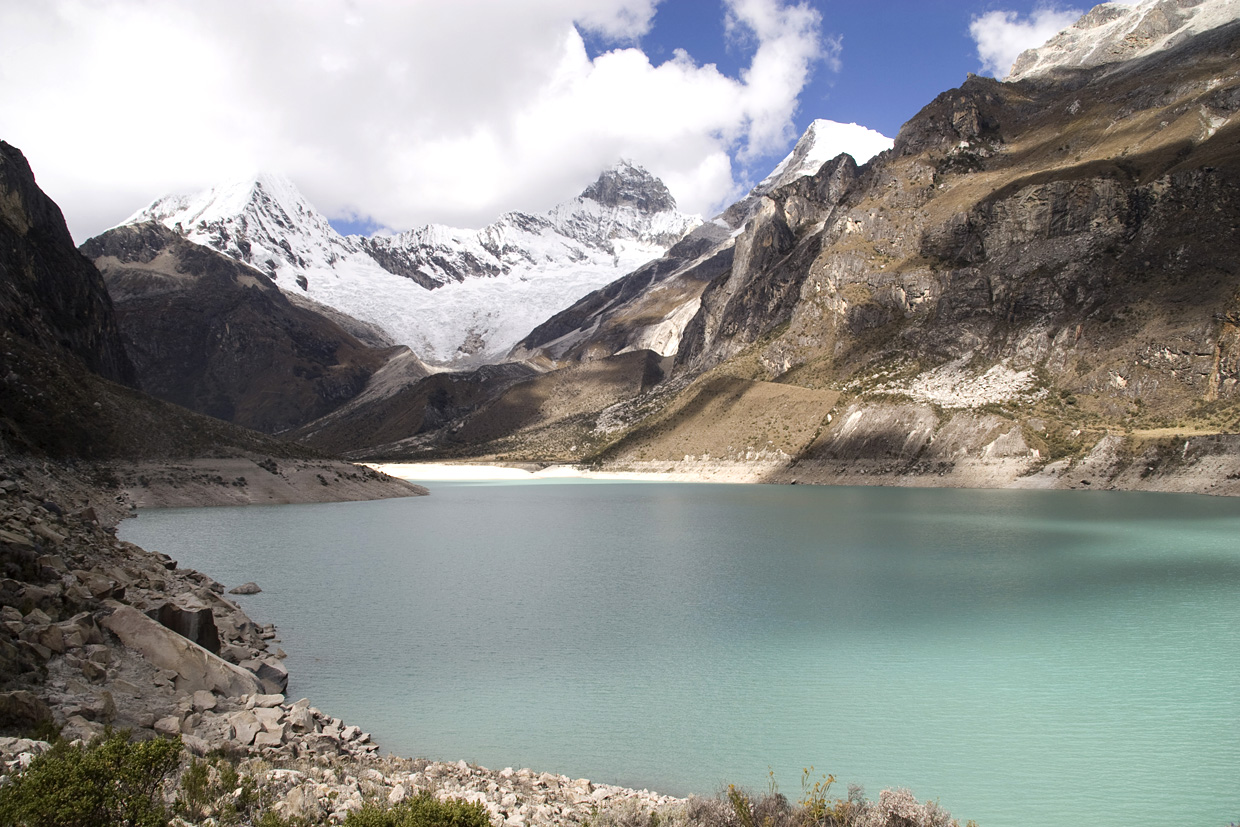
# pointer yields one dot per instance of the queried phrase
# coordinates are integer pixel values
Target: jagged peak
(1115, 32)
(823, 140)
(261, 192)
(626, 183)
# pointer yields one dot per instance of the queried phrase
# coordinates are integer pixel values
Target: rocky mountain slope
(1037, 285)
(650, 308)
(1115, 32)
(218, 337)
(459, 297)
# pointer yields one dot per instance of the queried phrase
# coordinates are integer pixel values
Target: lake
(1025, 657)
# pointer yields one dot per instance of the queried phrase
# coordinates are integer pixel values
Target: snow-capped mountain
(819, 143)
(455, 296)
(1113, 32)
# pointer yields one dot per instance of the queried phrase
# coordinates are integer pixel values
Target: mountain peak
(628, 184)
(1114, 32)
(822, 141)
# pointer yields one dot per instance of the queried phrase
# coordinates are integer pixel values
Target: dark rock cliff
(66, 384)
(218, 337)
(50, 295)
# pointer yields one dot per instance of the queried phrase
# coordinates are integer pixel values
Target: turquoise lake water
(1025, 657)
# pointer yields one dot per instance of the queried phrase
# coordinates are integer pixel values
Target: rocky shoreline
(98, 633)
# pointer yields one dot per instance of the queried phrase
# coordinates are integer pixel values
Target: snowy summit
(1114, 32)
(455, 296)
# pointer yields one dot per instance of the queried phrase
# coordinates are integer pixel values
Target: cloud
(1002, 35)
(406, 113)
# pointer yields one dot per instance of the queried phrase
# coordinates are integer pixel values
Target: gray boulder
(195, 667)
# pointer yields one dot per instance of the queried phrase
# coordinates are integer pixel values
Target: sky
(389, 115)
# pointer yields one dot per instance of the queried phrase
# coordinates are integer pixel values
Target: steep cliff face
(50, 295)
(218, 337)
(63, 356)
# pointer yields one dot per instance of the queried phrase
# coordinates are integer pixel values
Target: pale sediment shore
(1181, 463)
(520, 472)
(253, 481)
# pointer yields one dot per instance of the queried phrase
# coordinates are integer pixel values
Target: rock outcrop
(97, 632)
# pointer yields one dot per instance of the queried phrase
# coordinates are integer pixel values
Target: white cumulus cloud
(406, 112)
(1002, 35)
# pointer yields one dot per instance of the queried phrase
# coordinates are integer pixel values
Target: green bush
(111, 781)
(212, 788)
(423, 810)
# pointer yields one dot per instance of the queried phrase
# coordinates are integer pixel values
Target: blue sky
(895, 56)
(390, 114)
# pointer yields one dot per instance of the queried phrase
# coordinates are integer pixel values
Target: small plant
(213, 788)
(110, 781)
(423, 810)
(814, 804)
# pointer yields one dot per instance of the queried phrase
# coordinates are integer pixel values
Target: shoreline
(1200, 464)
(99, 632)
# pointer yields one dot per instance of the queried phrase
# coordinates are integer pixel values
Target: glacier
(456, 297)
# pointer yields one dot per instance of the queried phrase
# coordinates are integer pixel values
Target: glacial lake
(1025, 657)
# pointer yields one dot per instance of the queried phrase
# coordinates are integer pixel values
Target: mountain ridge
(421, 286)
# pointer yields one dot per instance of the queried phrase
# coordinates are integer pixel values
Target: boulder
(270, 673)
(245, 727)
(21, 711)
(266, 700)
(195, 623)
(269, 717)
(245, 588)
(195, 667)
(265, 740)
(169, 725)
(204, 700)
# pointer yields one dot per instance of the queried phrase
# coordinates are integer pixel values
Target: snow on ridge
(1113, 32)
(822, 141)
(491, 286)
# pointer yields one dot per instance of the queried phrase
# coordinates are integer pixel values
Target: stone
(266, 700)
(204, 700)
(195, 667)
(271, 674)
(169, 725)
(245, 727)
(264, 740)
(197, 746)
(245, 588)
(21, 710)
(397, 794)
(196, 624)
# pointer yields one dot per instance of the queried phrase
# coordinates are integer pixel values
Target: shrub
(212, 787)
(423, 810)
(110, 781)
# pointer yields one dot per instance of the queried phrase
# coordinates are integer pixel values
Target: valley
(1034, 285)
